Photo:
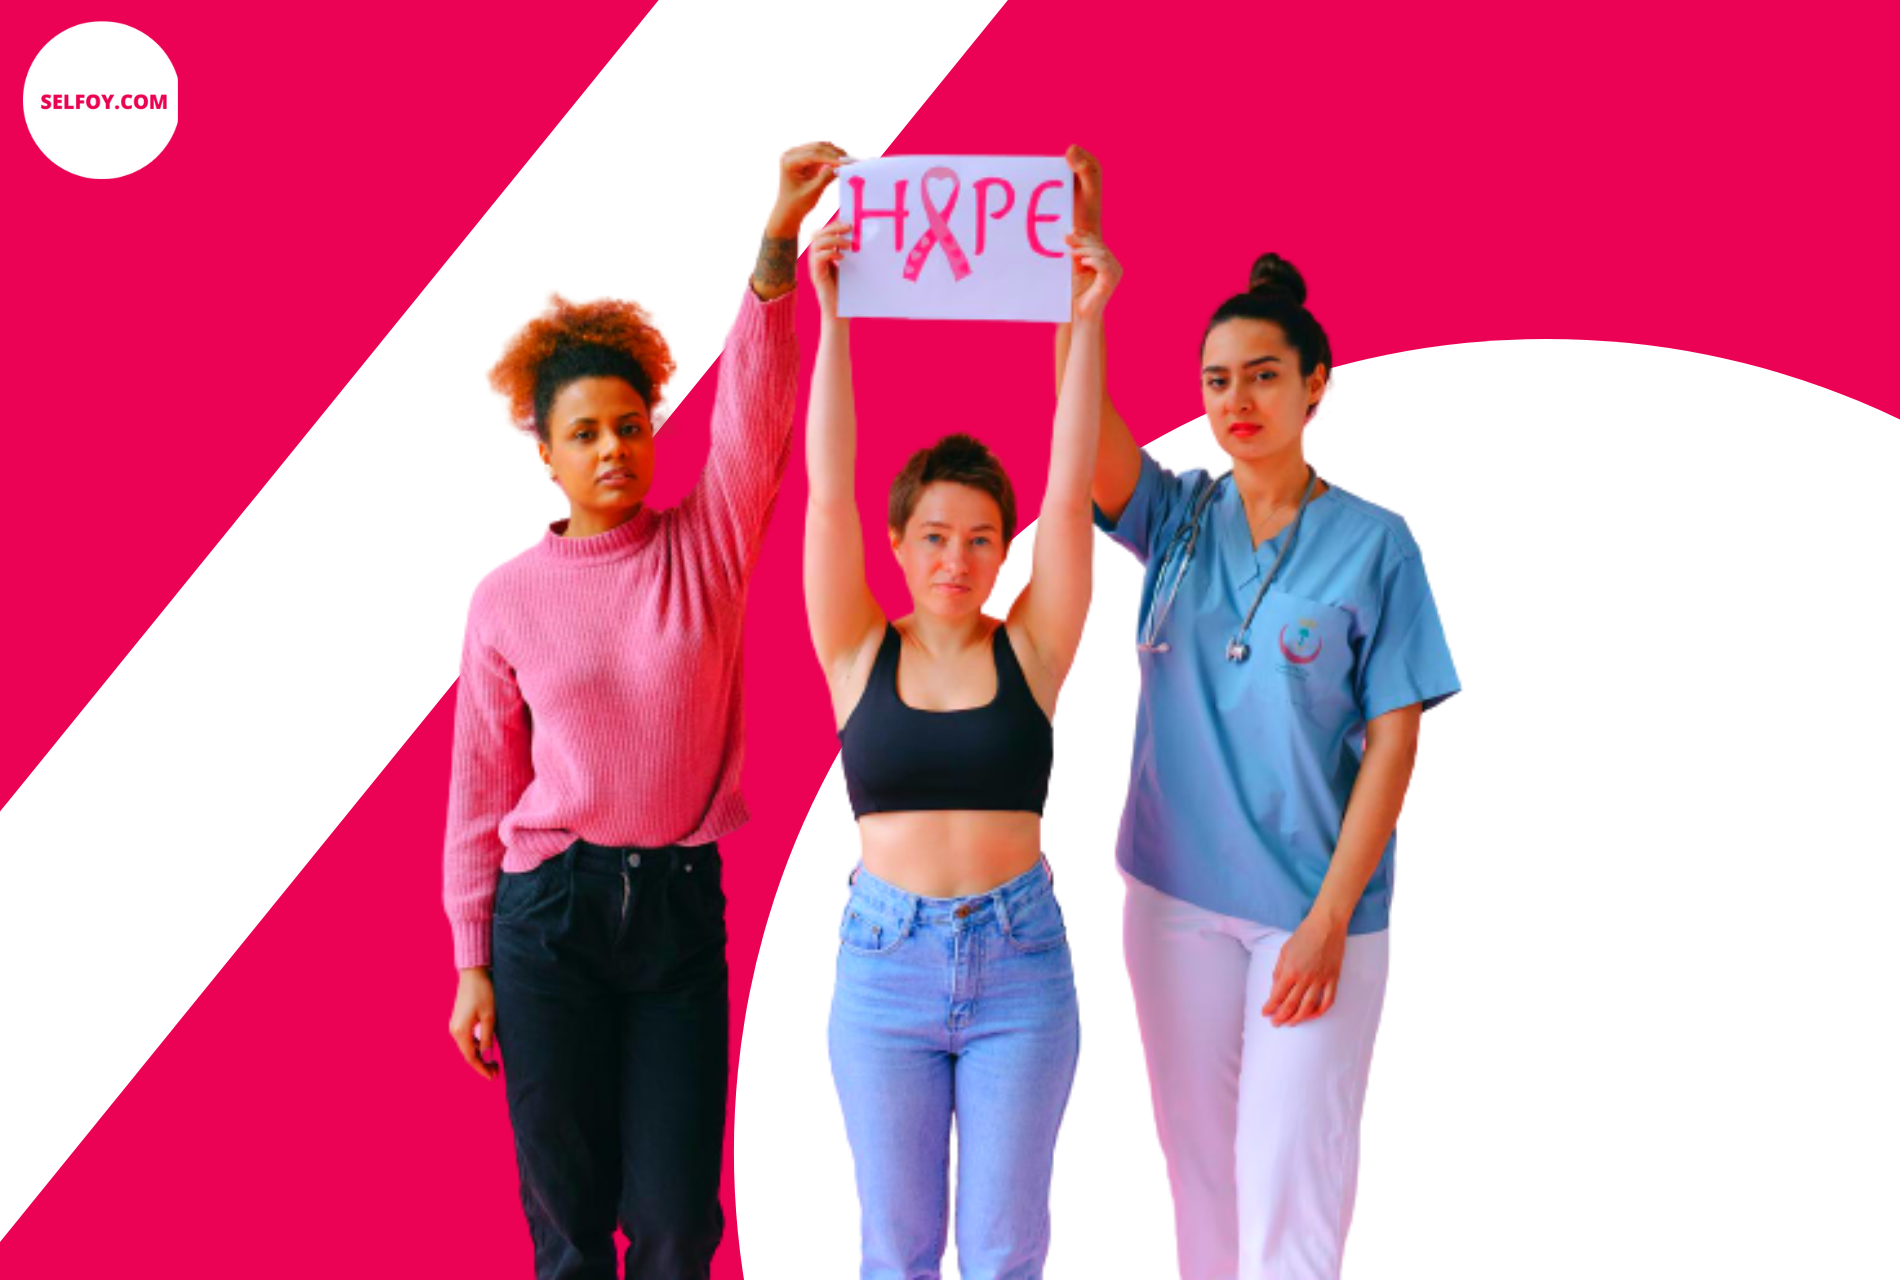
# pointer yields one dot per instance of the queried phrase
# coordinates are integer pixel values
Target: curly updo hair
(1277, 292)
(958, 459)
(606, 339)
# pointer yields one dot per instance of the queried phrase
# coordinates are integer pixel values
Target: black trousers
(611, 1005)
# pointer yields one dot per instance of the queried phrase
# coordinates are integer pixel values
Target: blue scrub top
(1242, 770)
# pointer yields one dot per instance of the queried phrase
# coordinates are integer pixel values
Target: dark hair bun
(1274, 277)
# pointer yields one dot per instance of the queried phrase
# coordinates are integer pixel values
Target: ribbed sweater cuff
(774, 318)
(471, 942)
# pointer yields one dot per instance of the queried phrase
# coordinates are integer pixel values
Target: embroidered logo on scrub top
(1299, 641)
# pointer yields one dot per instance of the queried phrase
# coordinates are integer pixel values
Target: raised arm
(751, 436)
(1117, 456)
(804, 173)
(1055, 604)
(843, 615)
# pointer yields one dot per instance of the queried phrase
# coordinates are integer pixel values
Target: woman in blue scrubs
(1289, 644)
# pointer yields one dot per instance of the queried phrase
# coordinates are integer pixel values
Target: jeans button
(633, 859)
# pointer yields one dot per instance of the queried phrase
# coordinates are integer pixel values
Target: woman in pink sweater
(597, 757)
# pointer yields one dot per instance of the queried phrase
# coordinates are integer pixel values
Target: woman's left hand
(1096, 273)
(1306, 976)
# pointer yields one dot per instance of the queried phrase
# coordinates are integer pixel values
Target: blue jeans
(958, 1007)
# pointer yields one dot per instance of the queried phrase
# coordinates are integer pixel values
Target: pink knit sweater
(600, 687)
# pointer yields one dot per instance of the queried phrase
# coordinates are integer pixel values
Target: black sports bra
(898, 758)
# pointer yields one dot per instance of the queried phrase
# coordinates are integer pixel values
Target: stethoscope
(1180, 552)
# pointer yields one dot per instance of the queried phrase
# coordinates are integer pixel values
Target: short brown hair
(958, 459)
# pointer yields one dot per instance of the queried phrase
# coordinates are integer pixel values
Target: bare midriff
(950, 853)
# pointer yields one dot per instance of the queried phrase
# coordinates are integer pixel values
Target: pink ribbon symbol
(939, 232)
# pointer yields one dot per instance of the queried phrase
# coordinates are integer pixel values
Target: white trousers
(1260, 1124)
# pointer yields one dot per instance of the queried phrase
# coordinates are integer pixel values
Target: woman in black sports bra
(955, 996)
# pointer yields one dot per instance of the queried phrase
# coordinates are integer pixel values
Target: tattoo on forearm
(777, 268)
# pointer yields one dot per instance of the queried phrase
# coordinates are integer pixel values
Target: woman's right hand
(472, 1024)
(828, 248)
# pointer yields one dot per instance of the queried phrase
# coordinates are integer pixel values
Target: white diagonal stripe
(296, 661)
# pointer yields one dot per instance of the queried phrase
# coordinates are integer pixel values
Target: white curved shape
(1638, 1016)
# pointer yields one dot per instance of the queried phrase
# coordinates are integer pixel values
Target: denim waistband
(999, 903)
(608, 859)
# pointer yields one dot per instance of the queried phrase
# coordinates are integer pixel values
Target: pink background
(1620, 173)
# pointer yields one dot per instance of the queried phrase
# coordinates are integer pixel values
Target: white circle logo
(101, 100)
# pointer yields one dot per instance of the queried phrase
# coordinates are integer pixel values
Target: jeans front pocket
(1036, 925)
(519, 893)
(700, 882)
(865, 932)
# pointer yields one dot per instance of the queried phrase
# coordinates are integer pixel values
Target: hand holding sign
(955, 238)
(1088, 207)
(804, 173)
(1088, 189)
(1096, 273)
(827, 248)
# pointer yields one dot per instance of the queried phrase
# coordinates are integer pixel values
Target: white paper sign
(956, 238)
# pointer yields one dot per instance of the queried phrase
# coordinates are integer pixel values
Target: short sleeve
(1158, 498)
(1405, 659)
